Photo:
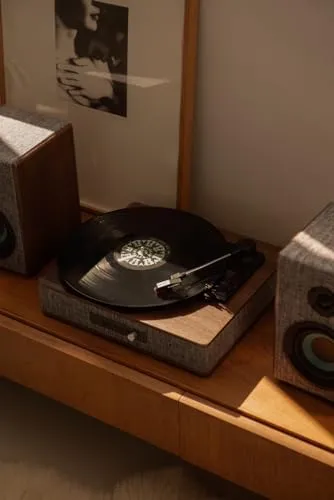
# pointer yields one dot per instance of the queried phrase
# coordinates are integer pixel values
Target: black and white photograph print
(92, 54)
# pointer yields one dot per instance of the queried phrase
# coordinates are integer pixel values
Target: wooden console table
(239, 423)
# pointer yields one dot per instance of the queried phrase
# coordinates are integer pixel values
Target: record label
(141, 254)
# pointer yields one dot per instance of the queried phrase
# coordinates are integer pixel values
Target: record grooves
(117, 258)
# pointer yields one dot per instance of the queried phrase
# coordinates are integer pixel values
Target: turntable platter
(117, 258)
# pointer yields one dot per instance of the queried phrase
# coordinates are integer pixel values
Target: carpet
(19, 481)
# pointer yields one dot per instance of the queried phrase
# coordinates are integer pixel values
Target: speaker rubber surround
(295, 340)
(7, 238)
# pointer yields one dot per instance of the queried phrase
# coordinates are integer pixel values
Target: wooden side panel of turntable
(114, 394)
(200, 324)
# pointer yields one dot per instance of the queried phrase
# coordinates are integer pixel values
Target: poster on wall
(123, 73)
(92, 54)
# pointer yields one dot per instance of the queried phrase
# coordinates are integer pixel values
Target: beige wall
(265, 122)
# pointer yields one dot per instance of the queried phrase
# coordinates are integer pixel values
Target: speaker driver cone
(310, 347)
(7, 237)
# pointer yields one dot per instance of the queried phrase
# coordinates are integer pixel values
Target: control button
(132, 336)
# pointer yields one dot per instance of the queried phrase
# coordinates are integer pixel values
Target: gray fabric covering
(21, 131)
(307, 261)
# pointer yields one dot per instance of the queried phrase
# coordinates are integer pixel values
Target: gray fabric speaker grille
(307, 261)
(21, 131)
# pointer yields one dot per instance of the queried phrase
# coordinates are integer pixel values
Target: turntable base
(195, 337)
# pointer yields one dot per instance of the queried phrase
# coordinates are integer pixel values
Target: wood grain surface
(202, 323)
(252, 455)
(48, 197)
(188, 101)
(114, 394)
(243, 382)
(2, 64)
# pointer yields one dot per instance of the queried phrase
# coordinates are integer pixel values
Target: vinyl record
(116, 259)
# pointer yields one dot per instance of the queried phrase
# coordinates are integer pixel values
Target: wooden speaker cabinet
(39, 200)
(304, 353)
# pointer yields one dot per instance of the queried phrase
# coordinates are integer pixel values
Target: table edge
(157, 385)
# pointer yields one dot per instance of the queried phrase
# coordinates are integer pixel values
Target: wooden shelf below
(239, 422)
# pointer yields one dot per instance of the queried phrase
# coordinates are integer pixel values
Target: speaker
(304, 346)
(39, 200)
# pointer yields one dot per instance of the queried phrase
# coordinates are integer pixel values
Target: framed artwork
(123, 72)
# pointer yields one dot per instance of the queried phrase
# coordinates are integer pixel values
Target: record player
(165, 282)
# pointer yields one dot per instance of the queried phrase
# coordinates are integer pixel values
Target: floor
(42, 433)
